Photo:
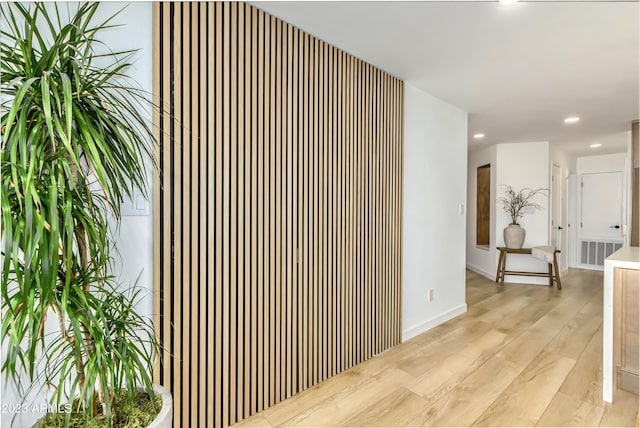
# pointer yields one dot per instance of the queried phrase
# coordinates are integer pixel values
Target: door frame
(557, 210)
(561, 212)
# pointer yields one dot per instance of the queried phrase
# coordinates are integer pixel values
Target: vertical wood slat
(292, 203)
(186, 206)
(193, 229)
(276, 142)
(225, 142)
(306, 213)
(201, 300)
(278, 201)
(261, 216)
(249, 302)
(240, 223)
(274, 269)
(203, 242)
(210, 415)
(234, 89)
(176, 211)
(314, 363)
(269, 281)
(218, 335)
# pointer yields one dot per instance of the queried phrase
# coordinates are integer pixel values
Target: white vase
(165, 417)
(513, 236)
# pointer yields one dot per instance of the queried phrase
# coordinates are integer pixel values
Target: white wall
(480, 259)
(135, 238)
(562, 158)
(602, 163)
(524, 165)
(435, 180)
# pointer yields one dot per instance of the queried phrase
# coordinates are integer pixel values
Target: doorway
(601, 217)
(572, 220)
(556, 207)
(555, 211)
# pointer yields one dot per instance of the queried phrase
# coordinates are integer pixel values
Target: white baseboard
(479, 271)
(433, 322)
(514, 279)
(590, 267)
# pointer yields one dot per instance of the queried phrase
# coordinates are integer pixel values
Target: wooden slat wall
(277, 210)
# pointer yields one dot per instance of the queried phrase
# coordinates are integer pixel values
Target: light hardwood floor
(525, 355)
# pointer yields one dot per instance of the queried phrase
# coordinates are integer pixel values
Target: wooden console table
(553, 274)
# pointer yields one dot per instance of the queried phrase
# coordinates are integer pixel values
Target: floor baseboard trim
(512, 279)
(482, 272)
(433, 322)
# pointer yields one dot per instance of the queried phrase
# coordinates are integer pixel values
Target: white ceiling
(518, 70)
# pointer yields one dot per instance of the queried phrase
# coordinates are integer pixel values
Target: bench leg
(555, 267)
(503, 267)
(502, 254)
(550, 275)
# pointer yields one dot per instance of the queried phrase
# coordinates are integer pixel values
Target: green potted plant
(515, 203)
(74, 142)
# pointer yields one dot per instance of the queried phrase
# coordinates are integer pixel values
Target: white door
(556, 208)
(602, 206)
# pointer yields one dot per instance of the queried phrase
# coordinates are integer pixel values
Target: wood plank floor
(525, 355)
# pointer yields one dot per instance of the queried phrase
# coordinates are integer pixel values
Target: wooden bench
(553, 274)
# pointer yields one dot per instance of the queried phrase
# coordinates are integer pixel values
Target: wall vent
(593, 253)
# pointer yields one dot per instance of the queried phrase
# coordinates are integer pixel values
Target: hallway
(527, 355)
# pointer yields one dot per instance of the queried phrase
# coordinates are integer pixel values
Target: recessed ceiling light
(478, 136)
(508, 2)
(572, 119)
(593, 146)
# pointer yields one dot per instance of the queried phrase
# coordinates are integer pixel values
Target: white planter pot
(513, 236)
(165, 417)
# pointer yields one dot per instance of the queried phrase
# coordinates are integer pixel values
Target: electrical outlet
(430, 295)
